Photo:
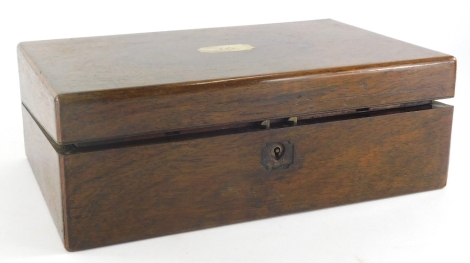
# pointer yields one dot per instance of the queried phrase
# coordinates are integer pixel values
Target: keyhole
(277, 151)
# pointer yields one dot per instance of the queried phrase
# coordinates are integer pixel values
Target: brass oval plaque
(226, 48)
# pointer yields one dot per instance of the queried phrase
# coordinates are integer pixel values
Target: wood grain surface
(36, 94)
(128, 193)
(46, 165)
(119, 86)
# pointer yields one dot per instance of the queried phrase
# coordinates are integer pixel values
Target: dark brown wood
(46, 165)
(34, 93)
(118, 86)
(138, 136)
(121, 194)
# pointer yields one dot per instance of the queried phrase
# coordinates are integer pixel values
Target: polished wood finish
(46, 164)
(34, 93)
(119, 194)
(138, 136)
(118, 86)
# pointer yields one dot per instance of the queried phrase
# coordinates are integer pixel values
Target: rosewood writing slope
(144, 135)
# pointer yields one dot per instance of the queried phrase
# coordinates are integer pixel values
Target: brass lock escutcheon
(277, 155)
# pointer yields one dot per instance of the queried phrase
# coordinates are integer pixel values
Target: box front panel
(131, 193)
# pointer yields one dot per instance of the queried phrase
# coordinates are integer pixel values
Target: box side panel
(45, 163)
(125, 194)
(36, 96)
(119, 113)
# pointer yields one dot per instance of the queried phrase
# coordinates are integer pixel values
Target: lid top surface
(153, 59)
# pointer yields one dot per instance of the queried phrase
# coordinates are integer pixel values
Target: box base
(118, 193)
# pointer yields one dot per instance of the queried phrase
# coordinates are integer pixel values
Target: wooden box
(144, 135)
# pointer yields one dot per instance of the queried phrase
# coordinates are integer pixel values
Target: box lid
(91, 89)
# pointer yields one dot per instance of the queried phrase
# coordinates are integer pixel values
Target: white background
(426, 227)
